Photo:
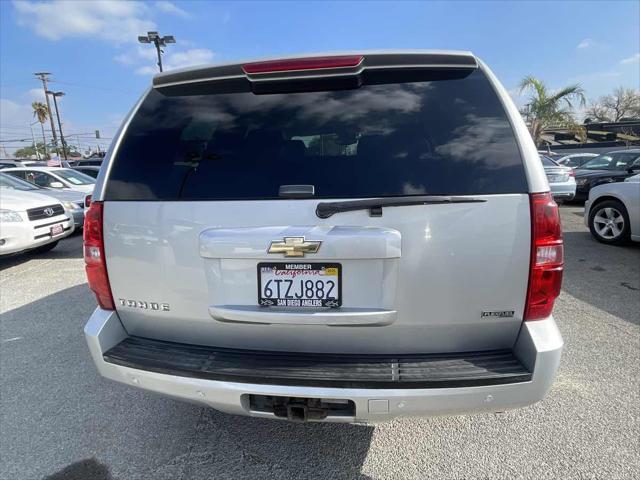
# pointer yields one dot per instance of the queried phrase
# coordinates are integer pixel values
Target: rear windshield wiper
(326, 209)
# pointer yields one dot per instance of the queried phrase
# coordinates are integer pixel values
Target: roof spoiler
(316, 66)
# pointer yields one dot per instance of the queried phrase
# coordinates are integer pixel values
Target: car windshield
(547, 162)
(15, 183)
(75, 178)
(611, 161)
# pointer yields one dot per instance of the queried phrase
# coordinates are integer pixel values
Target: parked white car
(612, 211)
(31, 221)
(54, 177)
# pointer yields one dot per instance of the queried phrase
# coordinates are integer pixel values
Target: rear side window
(447, 137)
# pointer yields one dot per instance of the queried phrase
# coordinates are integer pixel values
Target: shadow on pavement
(257, 448)
(69, 247)
(89, 469)
(605, 276)
(58, 414)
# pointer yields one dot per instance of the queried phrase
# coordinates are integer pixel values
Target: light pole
(55, 103)
(158, 41)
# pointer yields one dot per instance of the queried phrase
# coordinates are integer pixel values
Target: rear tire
(609, 222)
(45, 248)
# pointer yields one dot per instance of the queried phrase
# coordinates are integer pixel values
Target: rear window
(445, 137)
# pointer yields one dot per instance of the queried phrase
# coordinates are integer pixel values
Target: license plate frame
(302, 302)
(56, 230)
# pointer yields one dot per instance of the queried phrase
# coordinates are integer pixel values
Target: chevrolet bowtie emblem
(294, 246)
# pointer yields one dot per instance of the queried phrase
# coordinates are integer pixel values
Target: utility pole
(158, 41)
(44, 76)
(55, 102)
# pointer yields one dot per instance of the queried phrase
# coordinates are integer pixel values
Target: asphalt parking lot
(60, 420)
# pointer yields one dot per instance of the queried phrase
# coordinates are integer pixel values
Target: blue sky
(91, 47)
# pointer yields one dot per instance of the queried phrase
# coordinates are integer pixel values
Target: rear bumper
(565, 191)
(19, 236)
(538, 348)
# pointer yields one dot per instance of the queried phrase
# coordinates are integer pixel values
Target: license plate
(56, 230)
(557, 178)
(299, 285)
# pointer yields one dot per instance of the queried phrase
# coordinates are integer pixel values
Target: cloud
(109, 20)
(173, 60)
(586, 43)
(632, 59)
(486, 140)
(135, 55)
(36, 94)
(168, 7)
(13, 113)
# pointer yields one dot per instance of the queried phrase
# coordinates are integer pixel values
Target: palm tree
(546, 108)
(41, 112)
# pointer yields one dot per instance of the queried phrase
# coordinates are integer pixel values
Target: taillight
(572, 173)
(94, 256)
(87, 201)
(312, 63)
(545, 274)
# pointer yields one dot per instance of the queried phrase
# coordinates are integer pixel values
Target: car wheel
(609, 222)
(45, 248)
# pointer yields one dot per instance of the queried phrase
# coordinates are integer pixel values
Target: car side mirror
(56, 185)
(634, 169)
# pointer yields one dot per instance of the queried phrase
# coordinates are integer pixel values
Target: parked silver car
(331, 238)
(561, 179)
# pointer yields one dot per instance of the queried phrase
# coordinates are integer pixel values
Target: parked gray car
(73, 202)
(561, 179)
(328, 238)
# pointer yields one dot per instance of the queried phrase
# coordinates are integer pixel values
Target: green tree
(41, 112)
(30, 151)
(546, 108)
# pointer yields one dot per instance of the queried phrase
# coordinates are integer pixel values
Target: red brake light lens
(312, 63)
(96, 266)
(572, 173)
(545, 276)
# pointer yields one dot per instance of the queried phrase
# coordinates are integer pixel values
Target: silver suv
(330, 238)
